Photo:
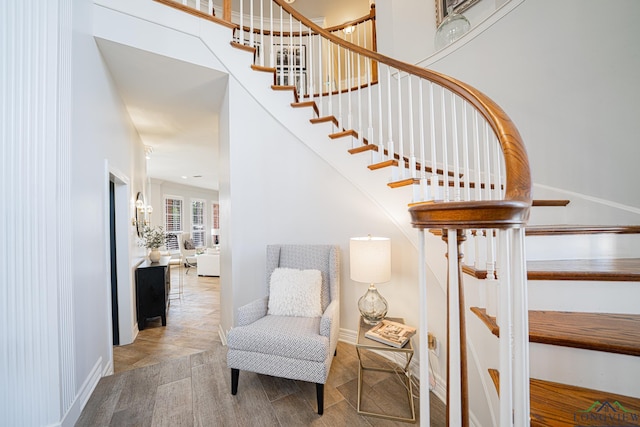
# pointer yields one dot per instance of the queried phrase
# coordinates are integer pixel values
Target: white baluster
(465, 151)
(321, 77)
(456, 162)
(454, 385)
(521, 396)
(424, 328)
(506, 332)
(331, 76)
(198, 4)
(348, 59)
(423, 155)
(280, 56)
(360, 128)
(390, 147)
(260, 48)
(445, 148)
(401, 167)
(434, 163)
(272, 46)
(369, 104)
(412, 147)
(477, 160)
(250, 24)
(312, 85)
(290, 56)
(380, 122)
(340, 121)
(241, 34)
(303, 60)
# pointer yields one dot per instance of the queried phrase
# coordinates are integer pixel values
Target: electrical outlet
(432, 341)
(433, 344)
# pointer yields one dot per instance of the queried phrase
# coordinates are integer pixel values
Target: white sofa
(209, 263)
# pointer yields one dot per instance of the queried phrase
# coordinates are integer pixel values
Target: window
(172, 219)
(215, 223)
(197, 223)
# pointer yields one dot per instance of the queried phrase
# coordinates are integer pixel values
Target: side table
(365, 344)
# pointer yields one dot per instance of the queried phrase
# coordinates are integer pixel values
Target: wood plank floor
(177, 376)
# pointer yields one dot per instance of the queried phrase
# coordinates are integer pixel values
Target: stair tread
(611, 270)
(536, 230)
(556, 404)
(549, 203)
(618, 269)
(609, 332)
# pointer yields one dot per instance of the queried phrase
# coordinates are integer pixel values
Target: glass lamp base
(373, 307)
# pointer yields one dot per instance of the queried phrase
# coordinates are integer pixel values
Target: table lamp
(371, 263)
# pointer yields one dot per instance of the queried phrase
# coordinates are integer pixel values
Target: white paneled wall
(36, 304)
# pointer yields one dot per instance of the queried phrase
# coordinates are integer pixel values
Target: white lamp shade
(370, 259)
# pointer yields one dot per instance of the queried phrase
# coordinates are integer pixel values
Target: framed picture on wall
(297, 79)
(291, 56)
(459, 6)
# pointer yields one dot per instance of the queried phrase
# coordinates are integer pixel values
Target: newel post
(457, 383)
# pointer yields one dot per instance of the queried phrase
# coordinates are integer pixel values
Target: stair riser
(562, 247)
(583, 246)
(584, 296)
(615, 373)
(541, 215)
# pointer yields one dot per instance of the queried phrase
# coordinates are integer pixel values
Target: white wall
(102, 132)
(406, 29)
(570, 86)
(274, 189)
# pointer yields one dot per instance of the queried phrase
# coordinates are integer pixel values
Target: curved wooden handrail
(513, 210)
(517, 198)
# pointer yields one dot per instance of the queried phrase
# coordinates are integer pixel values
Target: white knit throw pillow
(295, 292)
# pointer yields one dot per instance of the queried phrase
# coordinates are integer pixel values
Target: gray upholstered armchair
(290, 346)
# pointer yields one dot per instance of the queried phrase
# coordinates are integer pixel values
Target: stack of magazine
(391, 333)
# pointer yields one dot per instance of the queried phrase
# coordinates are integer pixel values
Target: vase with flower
(153, 238)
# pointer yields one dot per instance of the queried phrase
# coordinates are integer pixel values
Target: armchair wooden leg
(235, 373)
(320, 397)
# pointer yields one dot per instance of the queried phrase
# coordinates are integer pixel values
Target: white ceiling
(335, 12)
(175, 105)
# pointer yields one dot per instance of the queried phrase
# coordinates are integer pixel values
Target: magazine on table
(391, 333)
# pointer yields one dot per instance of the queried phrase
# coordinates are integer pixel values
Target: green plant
(153, 237)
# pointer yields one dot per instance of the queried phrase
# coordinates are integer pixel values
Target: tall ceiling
(175, 105)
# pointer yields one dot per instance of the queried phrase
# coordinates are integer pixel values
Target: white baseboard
(90, 383)
(223, 335)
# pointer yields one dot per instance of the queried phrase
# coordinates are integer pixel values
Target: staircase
(558, 322)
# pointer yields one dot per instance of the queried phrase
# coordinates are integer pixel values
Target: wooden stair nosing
(568, 229)
(404, 182)
(243, 47)
(305, 104)
(363, 148)
(556, 404)
(588, 270)
(550, 203)
(608, 332)
(382, 165)
(344, 133)
(324, 120)
(263, 69)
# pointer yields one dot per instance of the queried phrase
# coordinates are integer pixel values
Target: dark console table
(152, 290)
